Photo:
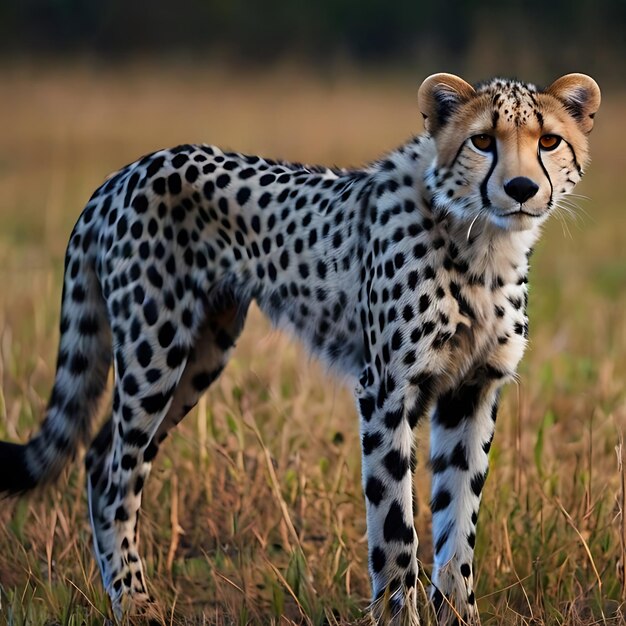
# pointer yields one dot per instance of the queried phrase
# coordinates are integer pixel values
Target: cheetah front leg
(461, 433)
(386, 445)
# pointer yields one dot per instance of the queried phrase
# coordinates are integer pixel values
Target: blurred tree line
(458, 35)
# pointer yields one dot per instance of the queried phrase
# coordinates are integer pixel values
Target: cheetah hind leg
(99, 493)
(205, 362)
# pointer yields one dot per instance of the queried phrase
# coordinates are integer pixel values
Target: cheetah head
(507, 151)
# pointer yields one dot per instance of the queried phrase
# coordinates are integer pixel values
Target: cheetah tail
(83, 364)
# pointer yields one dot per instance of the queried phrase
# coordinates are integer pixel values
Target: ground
(254, 512)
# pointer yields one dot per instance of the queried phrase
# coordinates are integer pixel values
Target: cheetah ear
(439, 96)
(581, 96)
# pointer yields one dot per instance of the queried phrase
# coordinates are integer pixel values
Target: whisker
(469, 230)
(576, 195)
(564, 226)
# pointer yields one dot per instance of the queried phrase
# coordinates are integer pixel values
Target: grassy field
(254, 511)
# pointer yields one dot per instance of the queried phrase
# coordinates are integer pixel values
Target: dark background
(464, 36)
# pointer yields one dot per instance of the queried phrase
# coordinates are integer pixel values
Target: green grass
(254, 512)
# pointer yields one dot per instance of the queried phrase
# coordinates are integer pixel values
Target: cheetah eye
(549, 142)
(484, 143)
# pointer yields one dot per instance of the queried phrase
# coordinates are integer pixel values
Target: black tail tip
(14, 475)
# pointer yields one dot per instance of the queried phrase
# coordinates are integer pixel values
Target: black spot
(370, 442)
(478, 482)
(403, 559)
(321, 269)
(374, 490)
(393, 418)
(130, 385)
(154, 166)
(159, 187)
(419, 250)
(167, 332)
(367, 405)
(456, 405)
(174, 183)
(389, 269)
(128, 462)
(150, 452)
(155, 403)
(459, 457)
(440, 501)
(439, 463)
(378, 559)
(394, 528)
(150, 312)
(179, 160)
(265, 199)
(409, 357)
(154, 277)
(140, 202)
(144, 354)
(138, 484)
(464, 306)
(271, 272)
(209, 189)
(78, 293)
(144, 250)
(175, 356)
(397, 465)
(246, 173)
(191, 174)
(78, 363)
(121, 227)
(121, 515)
(222, 181)
(136, 437)
(396, 340)
(410, 579)
(487, 444)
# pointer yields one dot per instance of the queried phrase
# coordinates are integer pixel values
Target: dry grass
(254, 512)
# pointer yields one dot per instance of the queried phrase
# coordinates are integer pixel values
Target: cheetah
(408, 276)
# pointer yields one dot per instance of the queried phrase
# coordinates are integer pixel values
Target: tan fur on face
(516, 115)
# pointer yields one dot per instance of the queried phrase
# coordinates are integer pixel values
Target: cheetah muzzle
(409, 275)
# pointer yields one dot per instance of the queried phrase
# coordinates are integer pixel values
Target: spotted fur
(409, 275)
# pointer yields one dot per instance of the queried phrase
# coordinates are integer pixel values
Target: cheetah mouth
(518, 213)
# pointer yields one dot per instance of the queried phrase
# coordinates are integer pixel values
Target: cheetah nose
(521, 188)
